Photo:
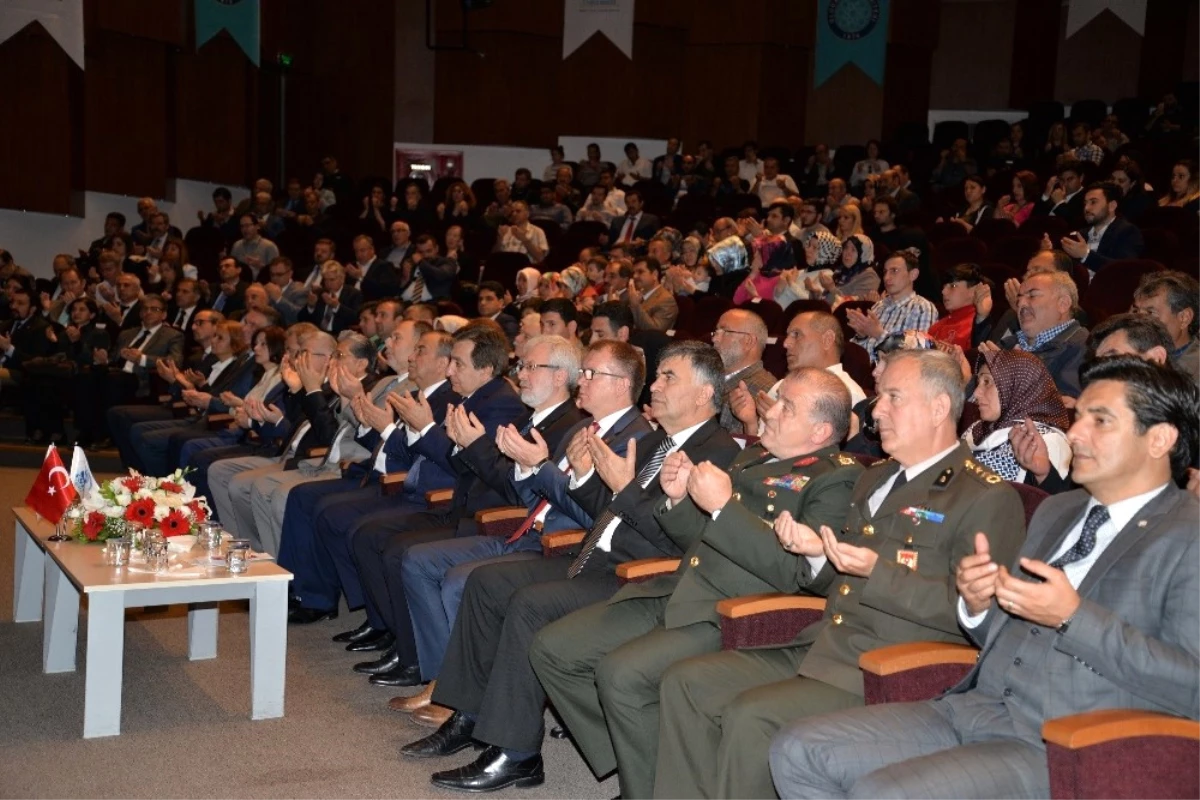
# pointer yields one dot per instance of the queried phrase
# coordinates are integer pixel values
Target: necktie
(627, 233)
(135, 344)
(417, 286)
(366, 478)
(179, 318)
(901, 479)
(1087, 538)
(327, 320)
(644, 477)
(541, 506)
(219, 303)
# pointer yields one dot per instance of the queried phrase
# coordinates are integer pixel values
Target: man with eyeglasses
(486, 677)
(546, 378)
(287, 296)
(434, 574)
(740, 338)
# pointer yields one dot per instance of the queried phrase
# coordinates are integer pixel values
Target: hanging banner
(239, 17)
(583, 18)
(1081, 12)
(62, 19)
(851, 32)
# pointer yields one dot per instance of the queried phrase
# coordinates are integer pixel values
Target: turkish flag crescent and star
(52, 492)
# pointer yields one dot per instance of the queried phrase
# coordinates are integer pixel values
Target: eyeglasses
(590, 374)
(524, 367)
(728, 332)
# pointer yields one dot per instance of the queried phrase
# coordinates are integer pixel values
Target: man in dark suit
(426, 275)
(23, 338)
(123, 312)
(505, 605)
(1107, 237)
(479, 356)
(587, 660)
(1111, 601)
(332, 306)
(637, 226)
(888, 577)
(1064, 195)
(614, 320)
(490, 304)
(435, 573)
(375, 277)
(231, 296)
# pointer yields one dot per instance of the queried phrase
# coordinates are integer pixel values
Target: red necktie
(542, 506)
(627, 234)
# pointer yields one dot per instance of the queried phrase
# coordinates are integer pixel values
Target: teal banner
(851, 32)
(239, 17)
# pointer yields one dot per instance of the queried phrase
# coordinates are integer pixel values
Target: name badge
(907, 558)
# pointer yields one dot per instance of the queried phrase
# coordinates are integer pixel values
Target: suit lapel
(619, 426)
(1138, 527)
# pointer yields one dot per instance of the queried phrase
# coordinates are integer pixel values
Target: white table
(56, 573)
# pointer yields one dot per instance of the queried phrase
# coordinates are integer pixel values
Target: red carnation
(93, 524)
(131, 483)
(171, 487)
(198, 512)
(174, 524)
(140, 511)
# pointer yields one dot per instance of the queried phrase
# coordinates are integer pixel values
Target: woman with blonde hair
(849, 222)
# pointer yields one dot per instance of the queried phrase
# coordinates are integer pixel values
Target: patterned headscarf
(829, 249)
(573, 278)
(1026, 392)
(866, 257)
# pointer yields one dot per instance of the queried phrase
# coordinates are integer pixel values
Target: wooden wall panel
(166, 21)
(214, 138)
(40, 149)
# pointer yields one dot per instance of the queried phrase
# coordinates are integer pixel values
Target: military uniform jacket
(920, 531)
(738, 552)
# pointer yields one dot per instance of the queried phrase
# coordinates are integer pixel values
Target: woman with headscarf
(1017, 399)
(851, 279)
(822, 252)
(527, 284)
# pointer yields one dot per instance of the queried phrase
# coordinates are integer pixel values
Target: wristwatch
(1066, 623)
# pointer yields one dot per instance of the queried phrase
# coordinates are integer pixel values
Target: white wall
(34, 239)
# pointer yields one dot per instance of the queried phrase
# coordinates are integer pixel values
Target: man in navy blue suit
(478, 359)
(320, 515)
(435, 573)
(1107, 237)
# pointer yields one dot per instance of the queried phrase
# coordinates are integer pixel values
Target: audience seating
(770, 312)
(989, 230)
(840, 312)
(965, 250)
(1015, 251)
(1111, 291)
(857, 364)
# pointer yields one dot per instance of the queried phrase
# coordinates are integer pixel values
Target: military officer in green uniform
(888, 575)
(601, 665)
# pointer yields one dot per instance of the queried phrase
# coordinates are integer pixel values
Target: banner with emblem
(851, 32)
(62, 19)
(1081, 12)
(584, 18)
(239, 17)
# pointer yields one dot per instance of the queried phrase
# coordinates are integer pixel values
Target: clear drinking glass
(209, 536)
(123, 552)
(237, 556)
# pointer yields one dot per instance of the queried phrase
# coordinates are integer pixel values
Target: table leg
(268, 649)
(202, 631)
(28, 577)
(105, 670)
(60, 634)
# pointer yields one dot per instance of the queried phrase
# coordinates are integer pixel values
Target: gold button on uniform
(695, 562)
(837, 619)
(844, 589)
(770, 507)
(868, 530)
(737, 496)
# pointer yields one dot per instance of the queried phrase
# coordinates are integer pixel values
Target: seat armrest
(561, 542)
(1110, 725)
(219, 422)
(751, 604)
(501, 520)
(392, 482)
(913, 671)
(914, 655)
(438, 496)
(645, 568)
(767, 619)
(317, 452)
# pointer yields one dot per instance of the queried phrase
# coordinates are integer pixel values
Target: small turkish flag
(52, 492)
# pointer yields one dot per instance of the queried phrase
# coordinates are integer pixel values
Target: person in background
(1173, 298)
(1019, 205)
(871, 165)
(1185, 187)
(967, 298)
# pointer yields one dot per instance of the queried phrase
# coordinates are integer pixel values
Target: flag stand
(60, 530)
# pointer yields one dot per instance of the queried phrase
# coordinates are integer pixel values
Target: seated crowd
(794, 395)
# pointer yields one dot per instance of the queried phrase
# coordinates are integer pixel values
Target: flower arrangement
(137, 503)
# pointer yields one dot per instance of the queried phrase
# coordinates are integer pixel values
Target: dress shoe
(307, 616)
(432, 715)
(399, 677)
(491, 771)
(380, 640)
(453, 736)
(413, 702)
(558, 732)
(353, 636)
(385, 663)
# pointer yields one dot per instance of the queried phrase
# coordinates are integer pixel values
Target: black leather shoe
(385, 663)
(558, 732)
(307, 616)
(353, 636)
(491, 771)
(383, 640)
(453, 736)
(400, 676)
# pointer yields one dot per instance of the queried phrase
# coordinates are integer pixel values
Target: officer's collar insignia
(806, 462)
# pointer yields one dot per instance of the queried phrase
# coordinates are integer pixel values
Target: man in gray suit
(1103, 617)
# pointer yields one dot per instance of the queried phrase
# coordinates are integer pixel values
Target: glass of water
(237, 556)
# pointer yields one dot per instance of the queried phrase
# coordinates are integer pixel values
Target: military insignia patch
(907, 558)
(806, 462)
(793, 483)
(919, 514)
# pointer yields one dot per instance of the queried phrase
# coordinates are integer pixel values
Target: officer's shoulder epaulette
(843, 459)
(982, 473)
(880, 465)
